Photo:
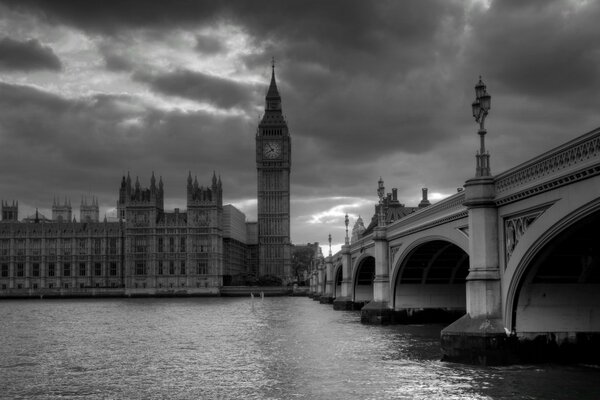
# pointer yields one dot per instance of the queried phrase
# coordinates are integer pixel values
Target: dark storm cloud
(543, 49)
(50, 144)
(109, 17)
(344, 63)
(223, 93)
(29, 55)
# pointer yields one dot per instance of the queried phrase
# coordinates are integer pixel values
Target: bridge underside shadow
(556, 311)
(338, 275)
(363, 283)
(430, 284)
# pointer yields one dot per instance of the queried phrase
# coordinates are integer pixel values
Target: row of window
(52, 246)
(52, 270)
(51, 286)
(170, 268)
(140, 245)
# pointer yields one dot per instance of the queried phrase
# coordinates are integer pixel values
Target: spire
(160, 184)
(273, 99)
(153, 181)
(273, 92)
(214, 179)
(189, 180)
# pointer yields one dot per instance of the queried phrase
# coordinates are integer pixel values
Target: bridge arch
(338, 275)
(430, 274)
(363, 273)
(554, 285)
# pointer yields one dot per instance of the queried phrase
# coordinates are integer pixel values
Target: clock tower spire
(273, 162)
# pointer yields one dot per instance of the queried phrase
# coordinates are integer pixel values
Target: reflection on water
(217, 348)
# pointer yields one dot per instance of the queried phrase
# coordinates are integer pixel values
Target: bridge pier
(327, 297)
(344, 302)
(319, 283)
(479, 336)
(312, 285)
(378, 311)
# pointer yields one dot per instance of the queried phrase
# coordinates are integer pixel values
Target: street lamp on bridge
(346, 221)
(381, 194)
(481, 107)
(330, 245)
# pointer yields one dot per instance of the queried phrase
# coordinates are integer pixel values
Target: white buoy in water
(262, 295)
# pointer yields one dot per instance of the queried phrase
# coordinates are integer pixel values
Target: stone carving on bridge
(394, 250)
(569, 156)
(515, 228)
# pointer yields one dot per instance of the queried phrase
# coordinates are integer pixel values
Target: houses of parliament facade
(147, 250)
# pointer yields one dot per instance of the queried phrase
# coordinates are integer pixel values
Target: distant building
(393, 210)
(235, 248)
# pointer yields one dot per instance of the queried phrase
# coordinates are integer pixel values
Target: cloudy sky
(90, 90)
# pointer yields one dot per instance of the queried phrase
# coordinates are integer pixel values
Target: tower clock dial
(271, 150)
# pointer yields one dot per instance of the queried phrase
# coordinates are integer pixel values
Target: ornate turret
(199, 195)
(141, 198)
(89, 212)
(10, 212)
(153, 183)
(62, 212)
(424, 202)
(358, 229)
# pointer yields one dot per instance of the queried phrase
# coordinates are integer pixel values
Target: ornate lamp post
(481, 107)
(347, 221)
(380, 193)
(330, 245)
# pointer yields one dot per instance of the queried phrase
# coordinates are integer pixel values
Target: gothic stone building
(148, 250)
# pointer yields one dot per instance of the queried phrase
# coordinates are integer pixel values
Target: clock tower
(273, 161)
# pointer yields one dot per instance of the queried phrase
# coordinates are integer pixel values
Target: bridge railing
(451, 205)
(577, 154)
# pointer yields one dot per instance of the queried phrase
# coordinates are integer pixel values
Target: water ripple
(216, 348)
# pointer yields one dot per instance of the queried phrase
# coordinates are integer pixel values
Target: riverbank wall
(225, 291)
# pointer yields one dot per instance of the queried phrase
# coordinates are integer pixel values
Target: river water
(238, 348)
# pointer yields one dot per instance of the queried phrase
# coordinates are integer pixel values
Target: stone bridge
(513, 260)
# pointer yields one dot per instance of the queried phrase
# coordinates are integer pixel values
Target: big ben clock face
(271, 150)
